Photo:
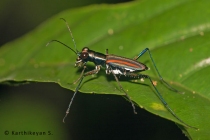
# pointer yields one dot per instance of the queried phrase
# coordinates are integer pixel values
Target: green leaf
(175, 31)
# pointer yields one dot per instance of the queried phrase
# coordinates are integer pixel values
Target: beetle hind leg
(161, 98)
(154, 64)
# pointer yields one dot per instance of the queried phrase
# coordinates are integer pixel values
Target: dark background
(20, 16)
(92, 116)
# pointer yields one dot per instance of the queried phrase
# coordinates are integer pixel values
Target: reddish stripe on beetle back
(117, 60)
(122, 63)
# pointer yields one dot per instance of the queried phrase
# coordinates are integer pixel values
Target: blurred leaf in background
(19, 17)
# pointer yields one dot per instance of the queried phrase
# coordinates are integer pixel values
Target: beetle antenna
(70, 34)
(62, 44)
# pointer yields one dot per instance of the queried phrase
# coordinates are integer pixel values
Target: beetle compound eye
(84, 55)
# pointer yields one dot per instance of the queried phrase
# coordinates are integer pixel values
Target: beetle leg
(95, 71)
(88, 73)
(160, 97)
(80, 79)
(154, 64)
(126, 94)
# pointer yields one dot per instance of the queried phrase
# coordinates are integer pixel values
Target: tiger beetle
(115, 65)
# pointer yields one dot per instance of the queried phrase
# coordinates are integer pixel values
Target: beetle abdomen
(125, 63)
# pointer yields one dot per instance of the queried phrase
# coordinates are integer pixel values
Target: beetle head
(82, 57)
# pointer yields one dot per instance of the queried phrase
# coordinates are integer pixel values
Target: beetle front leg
(95, 71)
(80, 79)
